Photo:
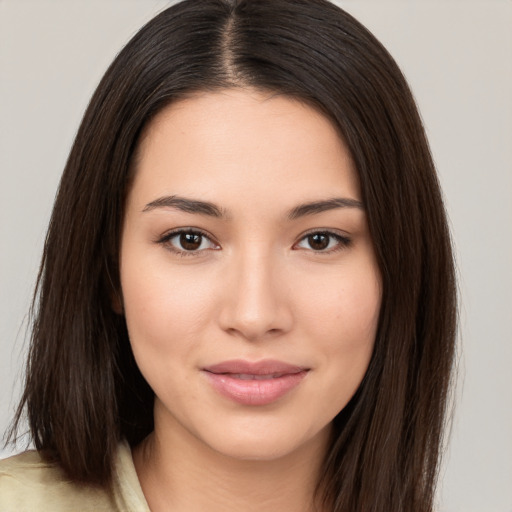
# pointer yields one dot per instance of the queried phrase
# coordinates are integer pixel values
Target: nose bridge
(254, 304)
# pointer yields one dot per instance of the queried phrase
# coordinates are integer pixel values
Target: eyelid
(343, 239)
(166, 237)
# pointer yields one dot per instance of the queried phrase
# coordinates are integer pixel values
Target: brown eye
(318, 241)
(324, 241)
(187, 242)
(191, 241)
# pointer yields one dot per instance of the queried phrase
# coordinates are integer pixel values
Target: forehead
(243, 142)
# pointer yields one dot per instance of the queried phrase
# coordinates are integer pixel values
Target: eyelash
(166, 241)
(342, 241)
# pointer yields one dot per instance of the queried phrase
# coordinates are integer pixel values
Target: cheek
(166, 320)
(342, 316)
(347, 341)
(165, 309)
(347, 303)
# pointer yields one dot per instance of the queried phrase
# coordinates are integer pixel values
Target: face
(249, 283)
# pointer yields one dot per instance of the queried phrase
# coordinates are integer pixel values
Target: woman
(246, 298)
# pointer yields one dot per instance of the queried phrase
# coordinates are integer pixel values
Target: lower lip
(255, 392)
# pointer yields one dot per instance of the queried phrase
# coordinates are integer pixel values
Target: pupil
(319, 241)
(190, 241)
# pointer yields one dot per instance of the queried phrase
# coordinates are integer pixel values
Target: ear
(114, 289)
(116, 300)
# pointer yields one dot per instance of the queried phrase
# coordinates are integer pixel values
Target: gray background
(457, 56)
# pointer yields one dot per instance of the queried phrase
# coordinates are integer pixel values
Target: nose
(256, 302)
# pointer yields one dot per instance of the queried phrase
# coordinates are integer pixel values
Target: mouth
(249, 376)
(259, 383)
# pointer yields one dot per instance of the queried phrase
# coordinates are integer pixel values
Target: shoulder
(28, 483)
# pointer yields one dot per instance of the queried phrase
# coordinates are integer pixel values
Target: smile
(254, 384)
(248, 376)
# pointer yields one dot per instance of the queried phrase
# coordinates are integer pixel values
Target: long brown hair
(83, 390)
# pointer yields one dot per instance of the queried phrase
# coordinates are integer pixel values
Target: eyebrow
(210, 209)
(186, 205)
(323, 206)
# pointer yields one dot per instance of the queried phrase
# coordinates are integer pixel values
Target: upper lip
(264, 367)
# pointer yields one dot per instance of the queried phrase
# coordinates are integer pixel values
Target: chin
(266, 444)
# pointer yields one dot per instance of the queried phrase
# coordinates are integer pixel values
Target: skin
(256, 287)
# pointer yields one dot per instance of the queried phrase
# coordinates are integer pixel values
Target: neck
(178, 472)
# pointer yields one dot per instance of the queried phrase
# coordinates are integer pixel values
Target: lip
(254, 383)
